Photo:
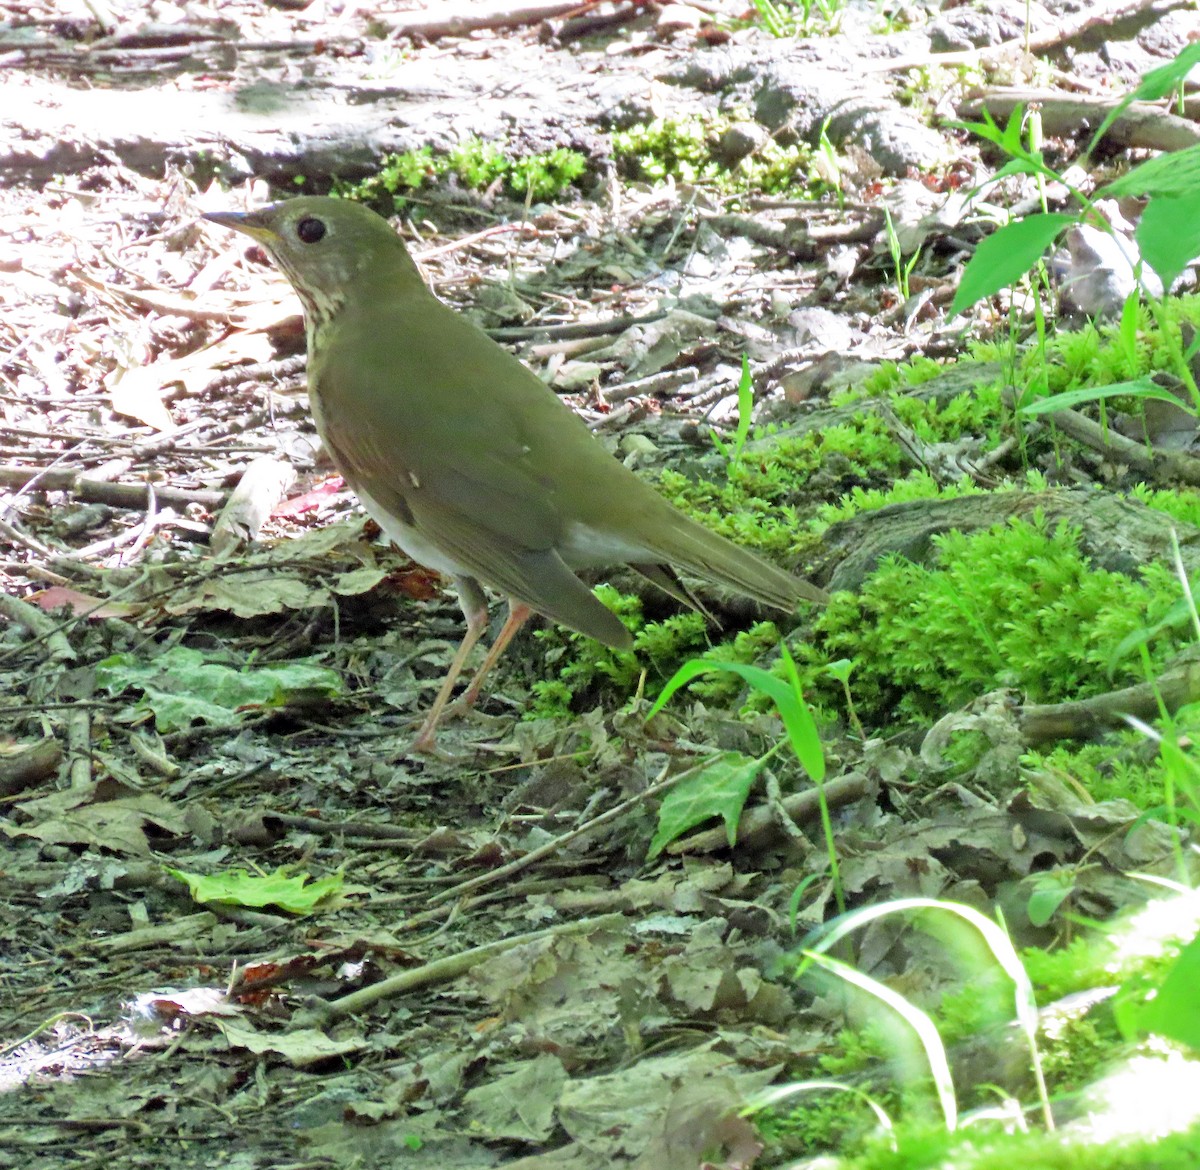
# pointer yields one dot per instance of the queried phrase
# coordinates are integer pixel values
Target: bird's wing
(458, 420)
(455, 471)
(539, 578)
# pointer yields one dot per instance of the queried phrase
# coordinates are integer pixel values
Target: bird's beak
(250, 222)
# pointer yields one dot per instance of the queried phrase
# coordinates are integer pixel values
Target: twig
(1177, 686)
(79, 747)
(758, 823)
(451, 967)
(38, 624)
(551, 847)
(120, 495)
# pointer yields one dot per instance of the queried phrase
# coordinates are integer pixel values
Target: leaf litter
(138, 366)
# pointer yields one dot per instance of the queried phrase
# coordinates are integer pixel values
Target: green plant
(1014, 605)
(841, 670)
(478, 165)
(724, 792)
(732, 452)
(1168, 1006)
(789, 18)
(827, 163)
(546, 176)
(685, 150)
(755, 503)
(901, 267)
(1168, 232)
(819, 1124)
(681, 148)
(1004, 955)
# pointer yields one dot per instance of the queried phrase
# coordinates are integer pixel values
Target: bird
(465, 458)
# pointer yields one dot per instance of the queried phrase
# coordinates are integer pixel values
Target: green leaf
(181, 686)
(731, 453)
(788, 701)
(1154, 85)
(1005, 256)
(718, 789)
(1007, 138)
(1137, 388)
(1175, 1011)
(1161, 81)
(1050, 891)
(294, 893)
(1168, 234)
(1176, 174)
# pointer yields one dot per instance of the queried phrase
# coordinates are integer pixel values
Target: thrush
(464, 457)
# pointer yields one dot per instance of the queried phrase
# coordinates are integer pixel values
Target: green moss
(1075, 1055)
(582, 663)
(859, 1049)
(585, 666)
(920, 1148)
(1105, 771)
(753, 505)
(397, 173)
(976, 413)
(889, 376)
(985, 1002)
(1018, 605)
(477, 165)
(685, 149)
(1182, 503)
(546, 176)
(917, 485)
(1100, 355)
(826, 1119)
(1084, 963)
(678, 147)
(819, 1120)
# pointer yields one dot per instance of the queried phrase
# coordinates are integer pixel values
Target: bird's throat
(320, 312)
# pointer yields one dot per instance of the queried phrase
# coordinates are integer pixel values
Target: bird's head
(326, 247)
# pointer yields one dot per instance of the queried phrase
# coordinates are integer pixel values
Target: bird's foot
(426, 741)
(429, 750)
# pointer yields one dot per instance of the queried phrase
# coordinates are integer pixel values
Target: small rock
(678, 18)
(741, 139)
(636, 447)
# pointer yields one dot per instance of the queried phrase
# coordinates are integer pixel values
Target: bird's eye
(310, 230)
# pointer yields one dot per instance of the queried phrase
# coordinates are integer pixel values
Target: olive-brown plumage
(463, 456)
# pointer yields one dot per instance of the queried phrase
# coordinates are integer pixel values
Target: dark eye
(310, 230)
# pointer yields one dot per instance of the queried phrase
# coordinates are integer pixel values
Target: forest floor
(211, 666)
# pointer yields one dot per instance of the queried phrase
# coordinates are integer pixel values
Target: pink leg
(518, 614)
(474, 606)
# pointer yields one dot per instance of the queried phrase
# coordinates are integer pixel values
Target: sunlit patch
(1163, 921)
(1149, 1096)
(70, 1044)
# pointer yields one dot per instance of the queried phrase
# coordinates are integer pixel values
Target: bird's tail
(696, 550)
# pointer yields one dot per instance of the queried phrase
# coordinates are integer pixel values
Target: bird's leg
(518, 614)
(474, 606)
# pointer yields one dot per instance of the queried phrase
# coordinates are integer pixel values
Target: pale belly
(410, 540)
